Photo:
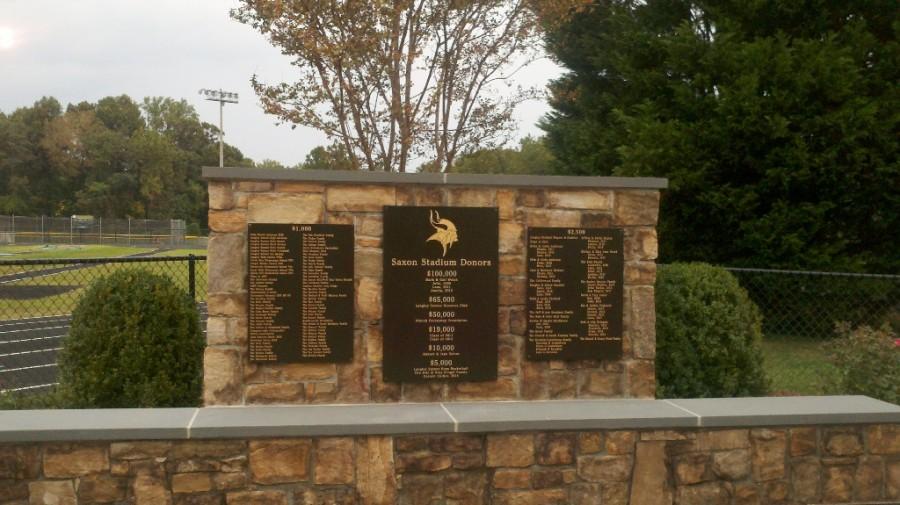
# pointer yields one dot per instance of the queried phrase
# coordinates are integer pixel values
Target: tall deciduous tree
(113, 158)
(390, 80)
(775, 121)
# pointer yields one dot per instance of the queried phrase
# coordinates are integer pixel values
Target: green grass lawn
(796, 366)
(57, 251)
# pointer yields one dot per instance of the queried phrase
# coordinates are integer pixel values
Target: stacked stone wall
(231, 379)
(754, 466)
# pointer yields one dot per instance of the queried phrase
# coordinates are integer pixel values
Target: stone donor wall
(797, 465)
(241, 197)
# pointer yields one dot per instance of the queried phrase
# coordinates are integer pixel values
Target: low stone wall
(834, 464)
(241, 196)
(577, 453)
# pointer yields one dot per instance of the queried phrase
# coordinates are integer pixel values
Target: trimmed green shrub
(867, 362)
(708, 335)
(135, 341)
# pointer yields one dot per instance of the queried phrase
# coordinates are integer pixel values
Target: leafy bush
(867, 362)
(708, 334)
(135, 341)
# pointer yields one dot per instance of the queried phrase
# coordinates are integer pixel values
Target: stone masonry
(755, 466)
(230, 379)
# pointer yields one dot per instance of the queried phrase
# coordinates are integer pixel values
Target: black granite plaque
(440, 293)
(574, 293)
(301, 292)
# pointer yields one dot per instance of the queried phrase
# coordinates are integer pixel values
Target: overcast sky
(88, 49)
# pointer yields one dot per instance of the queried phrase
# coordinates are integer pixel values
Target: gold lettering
(474, 263)
(439, 262)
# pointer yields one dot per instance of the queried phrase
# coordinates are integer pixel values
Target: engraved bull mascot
(445, 231)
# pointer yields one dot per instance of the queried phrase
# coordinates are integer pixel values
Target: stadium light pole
(217, 95)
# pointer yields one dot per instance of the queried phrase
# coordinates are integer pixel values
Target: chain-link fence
(91, 230)
(36, 302)
(808, 305)
(37, 298)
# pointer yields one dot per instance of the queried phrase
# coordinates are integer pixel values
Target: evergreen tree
(776, 123)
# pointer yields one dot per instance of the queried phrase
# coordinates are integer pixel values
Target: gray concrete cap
(94, 424)
(567, 415)
(320, 420)
(790, 410)
(468, 417)
(367, 177)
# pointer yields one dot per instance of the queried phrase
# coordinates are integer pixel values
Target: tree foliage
(331, 157)
(112, 158)
(531, 157)
(394, 80)
(776, 123)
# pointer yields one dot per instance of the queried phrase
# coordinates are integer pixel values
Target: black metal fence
(36, 302)
(808, 305)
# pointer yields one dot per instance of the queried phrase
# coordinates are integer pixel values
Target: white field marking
(34, 329)
(31, 339)
(40, 338)
(66, 318)
(29, 352)
(32, 277)
(28, 320)
(36, 325)
(30, 387)
(67, 269)
(5, 370)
